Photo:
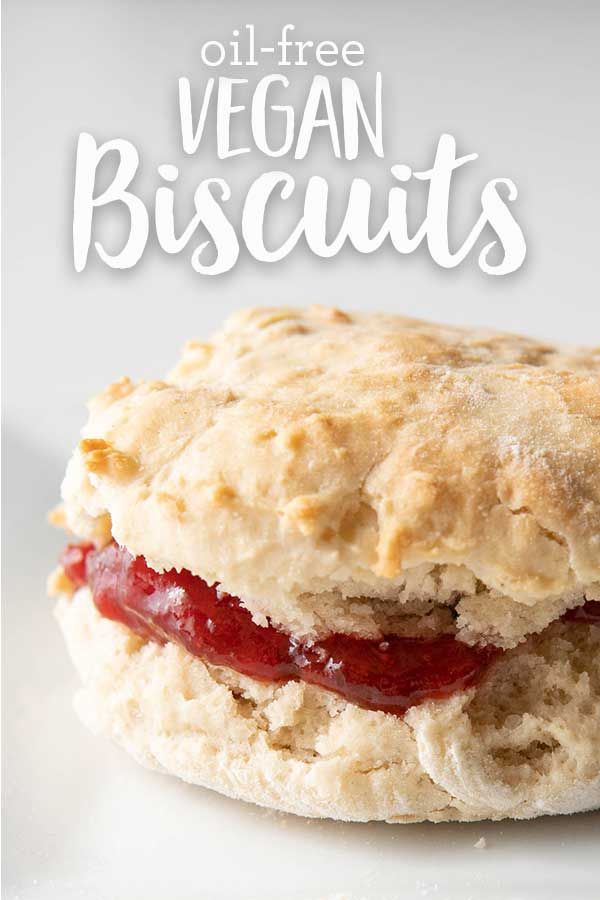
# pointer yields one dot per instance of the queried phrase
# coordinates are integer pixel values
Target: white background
(517, 83)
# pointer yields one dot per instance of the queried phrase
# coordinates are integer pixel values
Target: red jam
(390, 674)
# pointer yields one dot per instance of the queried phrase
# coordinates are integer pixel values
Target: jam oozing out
(390, 674)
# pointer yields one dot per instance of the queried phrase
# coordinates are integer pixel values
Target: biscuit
(359, 456)
(364, 475)
(525, 743)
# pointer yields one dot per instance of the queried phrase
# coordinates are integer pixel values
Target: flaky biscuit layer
(522, 744)
(328, 468)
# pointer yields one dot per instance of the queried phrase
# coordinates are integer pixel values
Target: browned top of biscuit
(309, 451)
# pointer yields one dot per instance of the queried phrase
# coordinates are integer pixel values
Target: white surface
(81, 819)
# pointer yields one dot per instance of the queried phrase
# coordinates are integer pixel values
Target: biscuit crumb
(481, 844)
(58, 517)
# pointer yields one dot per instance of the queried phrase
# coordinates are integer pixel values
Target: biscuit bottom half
(523, 742)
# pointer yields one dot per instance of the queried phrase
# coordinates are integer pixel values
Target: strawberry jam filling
(389, 674)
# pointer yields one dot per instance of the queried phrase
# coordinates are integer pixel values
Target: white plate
(84, 821)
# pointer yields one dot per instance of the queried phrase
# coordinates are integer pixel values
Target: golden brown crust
(311, 453)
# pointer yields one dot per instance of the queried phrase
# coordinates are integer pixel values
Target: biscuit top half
(311, 453)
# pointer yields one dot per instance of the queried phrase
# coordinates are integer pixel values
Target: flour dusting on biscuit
(370, 556)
